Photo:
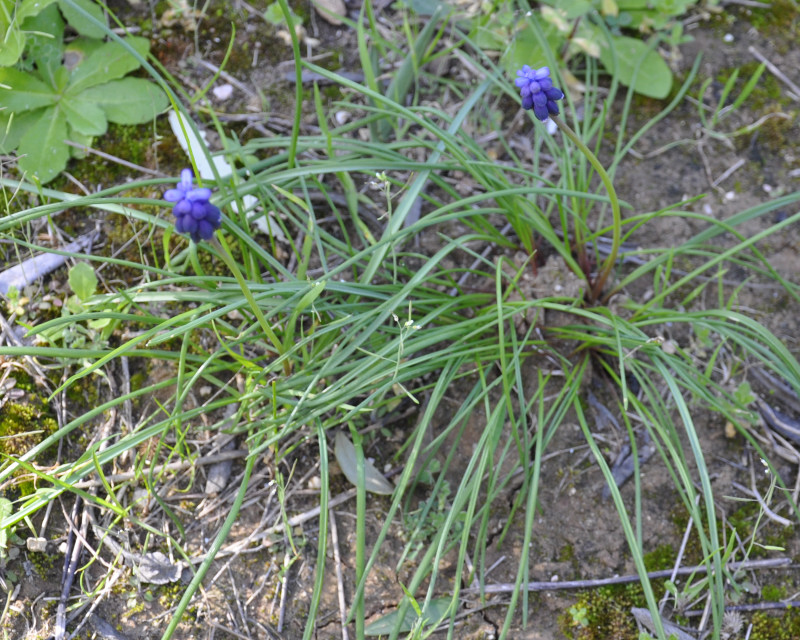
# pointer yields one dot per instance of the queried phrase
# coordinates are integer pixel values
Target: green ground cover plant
(54, 91)
(305, 349)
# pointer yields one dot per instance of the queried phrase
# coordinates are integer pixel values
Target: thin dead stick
(759, 606)
(728, 172)
(767, 511)
(645, 618)
(228, 630)
(776, 72)
(681, 551)
(172, 466)
(287, 564)
(772, 563)
(225, 76)
(108, 585)
(66, 579)
(111, 158)
(72, 567)
(339, 580)
(278, 528)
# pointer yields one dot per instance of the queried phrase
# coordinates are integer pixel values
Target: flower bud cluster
(538, 92)
(193, 212)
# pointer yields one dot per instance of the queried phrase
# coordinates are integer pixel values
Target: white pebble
(222, 92)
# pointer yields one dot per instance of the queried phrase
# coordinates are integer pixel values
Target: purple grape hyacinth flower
(538, 92)
(194, 214)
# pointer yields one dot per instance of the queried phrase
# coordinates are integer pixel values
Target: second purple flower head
(538, 92)
(194, 214)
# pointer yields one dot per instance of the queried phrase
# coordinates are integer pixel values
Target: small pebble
(223, 91)
(38, 545)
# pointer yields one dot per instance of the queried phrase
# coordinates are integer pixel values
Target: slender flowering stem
(227, 257)
(538, 94)
(616, 240)
(195, 215)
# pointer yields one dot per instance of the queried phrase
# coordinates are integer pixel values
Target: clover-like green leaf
(653, 78)
(84, 116)
(128, 101)
(79, 138)
(42, 150)
(20, 91)
(45, 42)
(434, 613)
(82, 280)
(12, 38)
(78, 50)
(13, 126)
(78, 20)
(11, 46)
(28, 8)
(526, 46)
(108, 62)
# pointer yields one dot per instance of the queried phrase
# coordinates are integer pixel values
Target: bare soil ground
(259, 584)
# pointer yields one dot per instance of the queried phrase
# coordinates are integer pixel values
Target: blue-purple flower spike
(538, 92)
(194, 214)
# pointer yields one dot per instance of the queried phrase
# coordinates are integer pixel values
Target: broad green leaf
(274, 15)
(12, 42)
(79, 138)
(673, 7)
(423, 7)
(45, 45)
(21, 91)
(434, 613)
(28, 8)
(85, 116)
(609, 8)
(346, 457)
(80, 22)
(633, 5)
(82, 281)
(6, 509)
(526, 48)
(572, 8)
(13, 126)
(42, 150)
(128, 101)
(488, 38)
(653, 79)
(78, 50)
(61, 77)
(108, 62)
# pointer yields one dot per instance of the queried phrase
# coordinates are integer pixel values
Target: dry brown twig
(795, 94)
(337, 559)
(749, 565)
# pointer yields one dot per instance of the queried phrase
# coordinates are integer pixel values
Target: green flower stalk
(539, 94)
(195, 215)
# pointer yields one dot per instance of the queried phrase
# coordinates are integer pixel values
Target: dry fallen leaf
(330, 9)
